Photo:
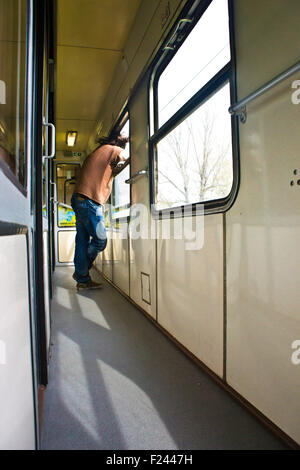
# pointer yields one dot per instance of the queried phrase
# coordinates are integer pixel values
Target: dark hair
(119, 140)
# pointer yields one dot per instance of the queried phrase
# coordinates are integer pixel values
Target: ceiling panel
(95, 23)
(84, 129)
(91, 35)
(83, 76)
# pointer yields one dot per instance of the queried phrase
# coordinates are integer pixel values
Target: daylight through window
(192, 143)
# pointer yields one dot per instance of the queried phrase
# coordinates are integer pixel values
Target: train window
(12, 88)
(121, 190)
(191, 142)
(45, 136)
(194, 161)
(44, 179)
(205, 51)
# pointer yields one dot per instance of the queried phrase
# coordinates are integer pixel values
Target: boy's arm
(118, 166)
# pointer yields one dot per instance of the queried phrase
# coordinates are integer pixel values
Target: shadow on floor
(116, 382)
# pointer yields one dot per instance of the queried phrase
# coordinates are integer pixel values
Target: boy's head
(117, 139)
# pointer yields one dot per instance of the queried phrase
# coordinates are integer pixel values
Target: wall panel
(121, 259)
(66, 246)
(263, 226)
(142, 248)
(107, 257)
(17, 423)
(190, 291)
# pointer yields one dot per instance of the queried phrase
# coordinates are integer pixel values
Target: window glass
(12, 85)
(121, 190)
(45, 134)
(44, 176)
(194, 161)
(205, 51)
(66, 177)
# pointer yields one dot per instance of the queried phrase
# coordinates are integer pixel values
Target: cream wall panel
(271, 24)
(142, 248)
(190, 291)
(98, 262)
(17, 428)
(142, 260)
(121, 261)
(66, 246)
(107, 257)
(263, 226)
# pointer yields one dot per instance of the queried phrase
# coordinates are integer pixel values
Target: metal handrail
(173, 37)
(240, 107)
(55, 201)
(139, 173)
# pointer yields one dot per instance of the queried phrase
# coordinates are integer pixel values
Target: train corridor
(116, 382)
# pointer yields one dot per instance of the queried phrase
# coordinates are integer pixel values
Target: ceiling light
(71, 138)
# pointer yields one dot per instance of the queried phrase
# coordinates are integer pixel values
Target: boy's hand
(118, 166)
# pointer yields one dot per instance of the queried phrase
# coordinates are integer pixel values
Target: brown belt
(82, 197)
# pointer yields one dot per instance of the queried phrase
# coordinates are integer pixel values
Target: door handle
(133, 178)
(52, 154)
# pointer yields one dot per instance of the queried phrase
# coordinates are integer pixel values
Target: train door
(48, 140)
(43, 147)
(66, 175)
(18, 350)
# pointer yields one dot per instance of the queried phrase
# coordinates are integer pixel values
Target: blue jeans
(90, 236)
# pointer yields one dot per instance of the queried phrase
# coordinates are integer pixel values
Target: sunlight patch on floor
(90, 310)
(132, 407)
(73, 380)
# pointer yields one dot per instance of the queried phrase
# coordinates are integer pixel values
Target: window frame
(194, 10)
(12, 177)
(123, 118)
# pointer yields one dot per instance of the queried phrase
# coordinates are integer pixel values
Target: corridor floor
(117, 383)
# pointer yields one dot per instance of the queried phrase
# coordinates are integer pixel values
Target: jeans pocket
(101, 230)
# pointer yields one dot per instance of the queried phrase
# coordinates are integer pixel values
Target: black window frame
(193, 10)
(4, 167)
(117, 127)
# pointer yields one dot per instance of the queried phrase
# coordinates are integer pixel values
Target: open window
(191, 139)
(120, 198)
